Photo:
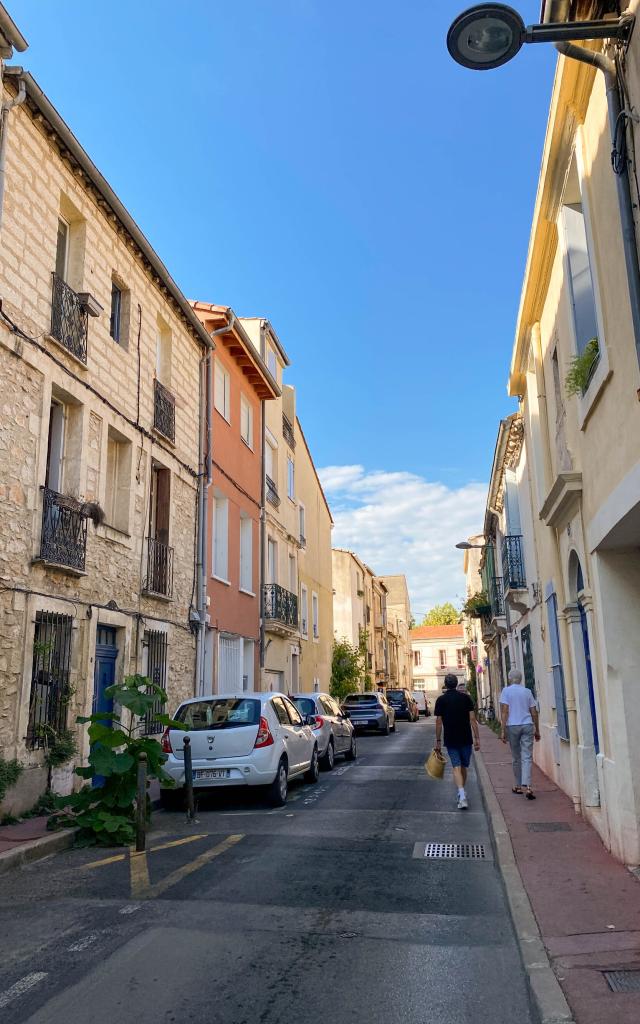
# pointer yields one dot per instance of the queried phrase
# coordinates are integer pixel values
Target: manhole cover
(549, 826)
(455, 851)
(623, 981)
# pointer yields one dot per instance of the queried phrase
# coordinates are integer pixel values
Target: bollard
(188, 779)
(141, 803)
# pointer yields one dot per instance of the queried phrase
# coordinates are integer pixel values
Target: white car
(240, 739)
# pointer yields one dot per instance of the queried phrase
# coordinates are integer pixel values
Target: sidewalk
(586, 904)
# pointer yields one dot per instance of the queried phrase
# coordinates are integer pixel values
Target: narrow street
(326, 909)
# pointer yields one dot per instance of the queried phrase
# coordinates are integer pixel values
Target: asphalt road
(324, 910)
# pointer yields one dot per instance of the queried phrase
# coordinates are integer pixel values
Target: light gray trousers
(521, 742)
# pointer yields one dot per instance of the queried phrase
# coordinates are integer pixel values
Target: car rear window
(305, 705)
(395, 694)
(361, 698)
(221, 713)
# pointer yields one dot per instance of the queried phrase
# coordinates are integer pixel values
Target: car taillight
(264, 737)
(319, 722)
(166, 743)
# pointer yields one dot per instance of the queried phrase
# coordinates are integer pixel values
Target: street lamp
(488, 35)
(464, 545)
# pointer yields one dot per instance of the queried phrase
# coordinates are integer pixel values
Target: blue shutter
(556, 665)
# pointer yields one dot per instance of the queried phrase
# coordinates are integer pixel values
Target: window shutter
(582, 295)
(556, 665)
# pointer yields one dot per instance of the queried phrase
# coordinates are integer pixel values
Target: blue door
(587, 658)
(104, 675)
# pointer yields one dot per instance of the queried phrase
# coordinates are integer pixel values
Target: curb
(36, 849)
(547, 997)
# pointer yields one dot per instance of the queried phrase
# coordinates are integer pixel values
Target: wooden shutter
(556, 665)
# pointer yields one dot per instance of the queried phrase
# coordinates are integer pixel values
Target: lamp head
(486, 36)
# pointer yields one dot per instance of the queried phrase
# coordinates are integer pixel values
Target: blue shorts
(460, 757)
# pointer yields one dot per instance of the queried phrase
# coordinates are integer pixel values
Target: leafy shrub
(10, 772)
(581, 368)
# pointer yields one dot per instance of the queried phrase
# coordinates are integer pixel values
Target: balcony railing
(69, 318)
(159, 568)
(513, 563)
(164, 411)
(280, 605)
(64, 531)
(272, 493)
(497, 597)
(287, 431)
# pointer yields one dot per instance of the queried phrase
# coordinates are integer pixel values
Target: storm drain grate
(455, 851)
(623, 981)
(549, 826)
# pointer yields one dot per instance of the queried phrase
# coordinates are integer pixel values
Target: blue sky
(325, 164)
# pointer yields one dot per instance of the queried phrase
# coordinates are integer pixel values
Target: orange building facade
(241, 383)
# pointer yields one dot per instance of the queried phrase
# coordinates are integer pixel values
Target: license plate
(213, 773)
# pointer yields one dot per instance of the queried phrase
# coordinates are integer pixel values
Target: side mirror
(310, 720)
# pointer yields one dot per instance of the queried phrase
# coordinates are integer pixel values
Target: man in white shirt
(520, 725)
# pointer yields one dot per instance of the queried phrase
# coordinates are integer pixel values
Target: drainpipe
(263, 520)
(7, 105)
(623, 184)
(205, 447)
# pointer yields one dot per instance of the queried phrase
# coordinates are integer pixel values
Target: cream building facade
(99, 357)
(398, 626)
(315, 573)
(473, 625)
(581, 454)
(360, 613)
(436, 651)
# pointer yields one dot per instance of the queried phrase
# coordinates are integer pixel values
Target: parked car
(370, 711)
(241, 739)
(404, 705)
(334, 732)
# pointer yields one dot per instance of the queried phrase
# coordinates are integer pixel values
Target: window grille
(155, 641)
(50, 686)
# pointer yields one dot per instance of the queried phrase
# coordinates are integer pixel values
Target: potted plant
(476, 605)
(581, 369)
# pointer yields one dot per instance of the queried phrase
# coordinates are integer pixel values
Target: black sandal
(529, 795)
(517, 789)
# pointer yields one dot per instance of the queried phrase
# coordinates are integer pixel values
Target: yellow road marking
(177, 842)
(107, 860)
(188, 869)
(139, 874)
(161, 846)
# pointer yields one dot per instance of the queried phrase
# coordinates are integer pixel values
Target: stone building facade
(100, 356)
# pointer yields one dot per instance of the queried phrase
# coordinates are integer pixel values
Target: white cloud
(399, 522)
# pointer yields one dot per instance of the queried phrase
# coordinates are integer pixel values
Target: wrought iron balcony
(164, 411)
(280, 605)
(64, 531)
(69, 318)
(287, 431)
(497, 597)
(513, 563)
(272, 493)
(159, 568)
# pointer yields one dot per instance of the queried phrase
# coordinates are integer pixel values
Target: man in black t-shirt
(456, 712)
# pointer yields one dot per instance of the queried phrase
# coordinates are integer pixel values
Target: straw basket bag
(434, 765)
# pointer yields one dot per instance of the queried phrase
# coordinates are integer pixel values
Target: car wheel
(280, 786)
(329, 757)
(393, 727)
(311, 775)
(352, 752)
(172, 799)
(385, 731)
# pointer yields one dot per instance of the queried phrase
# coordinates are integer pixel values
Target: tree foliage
(105, 814)
(348, 668)
(442, 615)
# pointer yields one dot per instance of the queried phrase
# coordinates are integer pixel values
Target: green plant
(442, 615)
(581, 368)
(476, 605)
(472, 682)
(60, 747)
(10, 772)
(347, 667)
(105, 813)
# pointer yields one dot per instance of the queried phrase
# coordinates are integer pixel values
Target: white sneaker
(462, 804)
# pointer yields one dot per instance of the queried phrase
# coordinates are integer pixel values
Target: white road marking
(21, 987)
(84, 942)
(317, 793)
(131, 909)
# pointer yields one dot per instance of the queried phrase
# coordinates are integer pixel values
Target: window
(154, 645)
(116, 312)
(419, 684)
(50, 671)
(55, 450)
(556, 666)
(272, 363)
(294, 715)
(62, 249)
(248, 659)
(293, 575)
(118, 487)
(291, 487)
(246, 554)
(163, 352)
(442, 659)
(417, 657)
(580, 280)
(281, 712)
(229, 663)
(271, 462)
(460, 658)
(272, 561)
(527, 659)
(222, 392)
(303, 525)
(304, 611)
(314, 612)
(160, 555)
(220, 537)
(246, 422)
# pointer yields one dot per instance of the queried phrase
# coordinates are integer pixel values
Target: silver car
(333, 730)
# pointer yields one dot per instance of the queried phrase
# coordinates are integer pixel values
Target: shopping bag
(434, 765)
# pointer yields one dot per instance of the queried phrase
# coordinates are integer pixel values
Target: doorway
(104, 676)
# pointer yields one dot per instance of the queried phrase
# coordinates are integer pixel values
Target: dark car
(370, 711)
(404, 704)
